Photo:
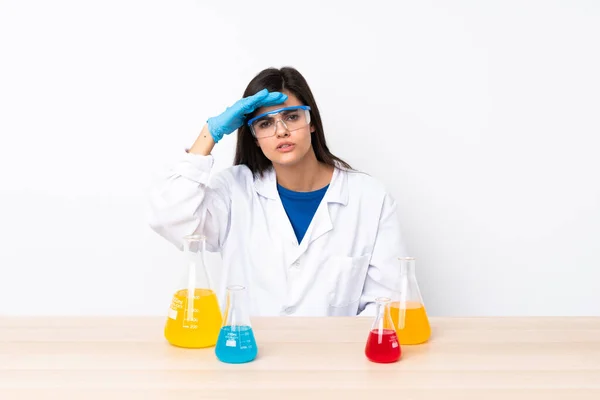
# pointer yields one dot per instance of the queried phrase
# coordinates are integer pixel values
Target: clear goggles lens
(291, 118)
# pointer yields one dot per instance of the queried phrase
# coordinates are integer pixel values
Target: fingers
(258, 96)
(273, 99)
(247, 104)
(264, 98)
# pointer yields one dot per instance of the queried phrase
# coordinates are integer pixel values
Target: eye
(264, 124)
(291, 117)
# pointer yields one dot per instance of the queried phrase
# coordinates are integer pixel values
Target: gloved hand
(233, 117)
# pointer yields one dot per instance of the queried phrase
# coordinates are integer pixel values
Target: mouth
(285, 146)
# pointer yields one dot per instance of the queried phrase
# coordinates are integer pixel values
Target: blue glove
(233, 117)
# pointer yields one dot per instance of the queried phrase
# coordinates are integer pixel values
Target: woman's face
(285, 147)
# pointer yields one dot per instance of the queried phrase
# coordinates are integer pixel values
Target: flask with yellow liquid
(407, 308)
(194, 318)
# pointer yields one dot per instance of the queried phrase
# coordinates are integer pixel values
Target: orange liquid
(415, 328)
(202, 329)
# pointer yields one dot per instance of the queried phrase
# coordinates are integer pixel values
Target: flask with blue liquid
(236, 343)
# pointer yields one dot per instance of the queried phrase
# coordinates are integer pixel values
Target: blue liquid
(236, 345)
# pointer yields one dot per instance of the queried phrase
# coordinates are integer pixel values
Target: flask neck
(408, 288)
(194, 244)
(233, 294)
(407, 266)
(236, 314)
(382, 311)
(194, 251)
(381, 305)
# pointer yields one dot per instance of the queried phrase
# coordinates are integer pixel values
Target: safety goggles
(292, 119)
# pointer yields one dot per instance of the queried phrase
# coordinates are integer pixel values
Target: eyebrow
(264, 117)
(270, 116)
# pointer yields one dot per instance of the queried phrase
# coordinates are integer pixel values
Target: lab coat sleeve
(182, 202)
(384, 267)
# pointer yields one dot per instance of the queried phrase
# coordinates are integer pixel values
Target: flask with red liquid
(382, 344)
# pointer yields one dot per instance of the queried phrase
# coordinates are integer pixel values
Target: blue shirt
(300, 207)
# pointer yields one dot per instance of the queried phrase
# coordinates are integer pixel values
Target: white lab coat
(347, 258)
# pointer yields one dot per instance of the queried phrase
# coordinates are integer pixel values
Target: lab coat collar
(337, 192)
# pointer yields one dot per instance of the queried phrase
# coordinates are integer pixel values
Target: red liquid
(383, 348)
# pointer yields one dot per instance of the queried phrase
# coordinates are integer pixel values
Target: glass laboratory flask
(236, 343)
(407, 308)
(382, 343)
(194, 317)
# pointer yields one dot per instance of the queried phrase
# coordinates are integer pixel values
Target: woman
(305, 233)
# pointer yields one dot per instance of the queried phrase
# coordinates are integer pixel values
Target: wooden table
(301, 358)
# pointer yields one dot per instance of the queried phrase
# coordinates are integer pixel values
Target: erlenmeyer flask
(407, 308)
(194, 317)
(236, 343)
(382, 343)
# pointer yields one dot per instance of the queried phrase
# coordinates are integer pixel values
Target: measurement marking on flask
(172, 313)
(230, 343)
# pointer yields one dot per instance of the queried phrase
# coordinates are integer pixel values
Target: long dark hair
(275, 80)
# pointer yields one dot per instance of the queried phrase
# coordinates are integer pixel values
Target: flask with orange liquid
(407, 308)
(194, 318)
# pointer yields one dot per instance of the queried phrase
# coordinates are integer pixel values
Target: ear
(312, 128)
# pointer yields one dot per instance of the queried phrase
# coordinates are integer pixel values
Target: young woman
(305, 233)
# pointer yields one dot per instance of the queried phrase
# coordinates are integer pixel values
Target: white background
(481, 118)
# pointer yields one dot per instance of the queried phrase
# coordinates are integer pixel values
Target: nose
(283, 131)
